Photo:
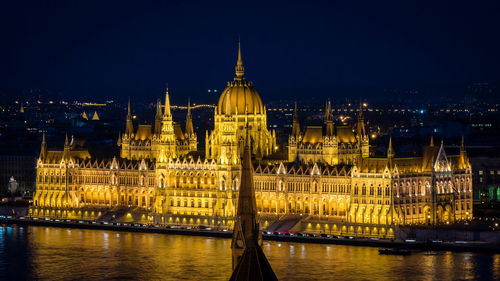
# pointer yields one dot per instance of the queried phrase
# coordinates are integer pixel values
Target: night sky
(290, 48)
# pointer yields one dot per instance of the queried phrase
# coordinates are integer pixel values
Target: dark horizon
(116, 50)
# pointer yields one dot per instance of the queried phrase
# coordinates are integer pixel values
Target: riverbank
(429, 245)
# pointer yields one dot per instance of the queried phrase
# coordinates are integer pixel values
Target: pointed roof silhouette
(253, 265)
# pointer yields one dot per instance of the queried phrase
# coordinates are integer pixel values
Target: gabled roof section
(441, 164)
(345, 134)
(281, 169)
(313, 135)
(144, 132)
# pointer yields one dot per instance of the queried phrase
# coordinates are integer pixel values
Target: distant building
(486, 178)
(12, 186)
(22, 168)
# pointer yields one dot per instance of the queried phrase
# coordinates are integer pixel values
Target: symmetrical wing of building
(329, 182)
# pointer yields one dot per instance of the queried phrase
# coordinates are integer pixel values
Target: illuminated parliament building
(328, 182)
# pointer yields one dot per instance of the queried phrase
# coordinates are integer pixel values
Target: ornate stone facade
(329, 183)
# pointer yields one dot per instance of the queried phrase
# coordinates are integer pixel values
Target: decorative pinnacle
(390, 150)
(167, 102)
(240, 70)
(296, 114)
(129, 112)
(360, 113)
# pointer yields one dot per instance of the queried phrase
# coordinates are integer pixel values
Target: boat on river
(394, 251)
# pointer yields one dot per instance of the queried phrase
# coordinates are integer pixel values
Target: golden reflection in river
(74, 254)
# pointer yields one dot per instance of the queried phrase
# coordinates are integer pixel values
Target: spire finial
(240, 70)
(66, 142)
(129, 113)
(432, 141)
(189, 120)
(43, 148)
(462, 145)
(360, 114)
(167, 102)
(296, 125)
(158, 109)
(390, 150)
(328, 111)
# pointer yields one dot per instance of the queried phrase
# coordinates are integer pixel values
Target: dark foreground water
(50, 253)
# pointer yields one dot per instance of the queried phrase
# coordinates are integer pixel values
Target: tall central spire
(246, 225)
(249, 261)
(240, 70)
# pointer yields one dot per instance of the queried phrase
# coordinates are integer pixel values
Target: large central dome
(240, 96)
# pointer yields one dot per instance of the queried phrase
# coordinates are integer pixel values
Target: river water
(51, 253)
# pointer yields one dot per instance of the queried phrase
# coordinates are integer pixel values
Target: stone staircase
(284, 224)
(114, 214)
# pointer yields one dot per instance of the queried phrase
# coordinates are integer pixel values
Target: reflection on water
(72, 254)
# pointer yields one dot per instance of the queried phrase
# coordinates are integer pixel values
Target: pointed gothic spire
(189, 120)
(246, 227)
(167, 104)
(66, 155)
(329, 119)
(432, 141)
(157, 128)
(361, 121)
(464, 160)
(43, 149)
(158, 109)
(129, 126)
(360, 113)
(129, 112)
(296, 124)
(240, 70)
(390, 150)
(249, 261)
(328, 111)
